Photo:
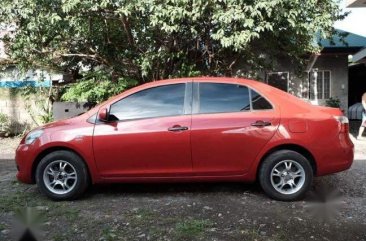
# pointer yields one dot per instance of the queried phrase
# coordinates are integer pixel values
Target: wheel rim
(288, 177)
(60, 177)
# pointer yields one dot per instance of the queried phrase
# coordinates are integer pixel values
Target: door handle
(178, 128)
(261, 123)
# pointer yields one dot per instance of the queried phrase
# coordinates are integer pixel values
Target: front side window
(167, 100)
(218, 98)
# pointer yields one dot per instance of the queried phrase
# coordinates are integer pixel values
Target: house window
(305, 87)
(323, 84)
(278, 80)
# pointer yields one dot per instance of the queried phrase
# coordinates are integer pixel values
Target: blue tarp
(24, 83)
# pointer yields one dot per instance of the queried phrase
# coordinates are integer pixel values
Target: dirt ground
(335, 209)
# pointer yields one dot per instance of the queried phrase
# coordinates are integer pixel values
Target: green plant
(4, 125)
(333, 102)
(148, 40)
(96, 87)
(38, 102)
(3, 118)
(11, 127)
(191, 228)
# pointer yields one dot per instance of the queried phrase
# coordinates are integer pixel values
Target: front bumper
(24, 157)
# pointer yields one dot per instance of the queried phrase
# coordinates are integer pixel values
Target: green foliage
(153, 39)
(11, 127)
(4, 125)
(192, 228)
(3, 118)
(95, 88)
(38, 103)
(333, 102)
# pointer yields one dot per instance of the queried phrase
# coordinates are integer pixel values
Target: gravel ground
(335, 209)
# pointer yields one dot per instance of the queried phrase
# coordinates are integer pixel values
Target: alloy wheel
(60, 177)
(287, 177)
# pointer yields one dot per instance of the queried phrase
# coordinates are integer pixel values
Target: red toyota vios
(189, 130)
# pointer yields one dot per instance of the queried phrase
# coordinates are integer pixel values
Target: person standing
(363, 123)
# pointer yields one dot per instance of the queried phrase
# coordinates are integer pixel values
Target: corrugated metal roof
(343, 39)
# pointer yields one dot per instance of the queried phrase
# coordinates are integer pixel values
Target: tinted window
(259, 103)
(215, 97)
(167, 100)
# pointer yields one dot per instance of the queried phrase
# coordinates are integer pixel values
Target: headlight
(32, 136)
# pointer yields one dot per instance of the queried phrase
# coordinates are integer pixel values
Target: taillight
(343, 123)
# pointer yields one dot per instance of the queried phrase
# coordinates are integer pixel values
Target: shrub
(96, 88)
(9, 127)
(333, 102)
(5, 129)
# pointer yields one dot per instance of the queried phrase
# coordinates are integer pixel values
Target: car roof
(229, 80)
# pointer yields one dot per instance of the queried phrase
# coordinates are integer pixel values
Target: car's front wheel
(285, 175)
(62, 175)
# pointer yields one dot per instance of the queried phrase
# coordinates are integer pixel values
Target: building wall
(11, 74)
(14, 107)
(64, 110)
(298, 83)
(338, 65)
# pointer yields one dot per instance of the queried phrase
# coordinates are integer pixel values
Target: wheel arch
(292, 147)
(49, 150)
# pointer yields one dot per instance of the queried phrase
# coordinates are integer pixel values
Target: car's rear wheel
(285, 175)
(62, 175)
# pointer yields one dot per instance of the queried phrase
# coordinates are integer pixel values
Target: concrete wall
(337, 64)
(12, 73)
(64, 110)
(13, 106)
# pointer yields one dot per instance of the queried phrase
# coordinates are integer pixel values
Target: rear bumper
(336, 157)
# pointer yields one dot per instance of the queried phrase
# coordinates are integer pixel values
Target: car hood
(61, 123)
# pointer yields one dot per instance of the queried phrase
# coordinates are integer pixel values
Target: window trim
(330, 85)
(187, 105)
(196, 99)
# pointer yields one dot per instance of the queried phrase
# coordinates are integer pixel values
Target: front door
(148, 135)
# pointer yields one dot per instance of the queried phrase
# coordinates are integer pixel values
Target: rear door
(230, 125)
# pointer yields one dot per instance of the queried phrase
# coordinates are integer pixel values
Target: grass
(192, 228)
(16, 201)
(109, 234)
(2, 227)
(42, 210)
(151, 223)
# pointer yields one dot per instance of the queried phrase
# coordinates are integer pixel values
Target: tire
(285, 175)
(62, 175)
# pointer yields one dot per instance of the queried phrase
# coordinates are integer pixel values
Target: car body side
(310, 130)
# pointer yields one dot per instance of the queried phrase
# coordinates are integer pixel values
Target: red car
(190, 130)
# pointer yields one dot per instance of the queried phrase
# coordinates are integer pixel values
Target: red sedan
(189, 130)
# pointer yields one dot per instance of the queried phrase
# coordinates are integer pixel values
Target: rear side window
(167, 100)
(259, 102)
(218, 97)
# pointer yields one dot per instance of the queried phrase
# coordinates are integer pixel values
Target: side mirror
(103, 114)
